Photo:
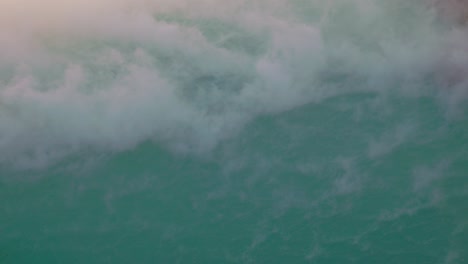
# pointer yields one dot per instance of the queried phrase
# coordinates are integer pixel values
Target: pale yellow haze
(36, 14)
(43, 14)
(53, 14)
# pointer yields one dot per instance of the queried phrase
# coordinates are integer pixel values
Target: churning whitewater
(252, 131)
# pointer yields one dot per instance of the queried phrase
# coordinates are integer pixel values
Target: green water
(259, 132)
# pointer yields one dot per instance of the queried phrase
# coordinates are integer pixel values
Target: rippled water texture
(252, 131)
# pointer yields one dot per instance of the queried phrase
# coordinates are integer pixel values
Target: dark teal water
(257, 132)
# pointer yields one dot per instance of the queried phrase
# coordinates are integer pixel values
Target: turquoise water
(248, 132)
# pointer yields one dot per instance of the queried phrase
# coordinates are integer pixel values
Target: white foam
(109, 75)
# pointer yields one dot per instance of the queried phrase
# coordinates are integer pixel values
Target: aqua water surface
(216, 132)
